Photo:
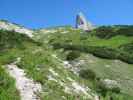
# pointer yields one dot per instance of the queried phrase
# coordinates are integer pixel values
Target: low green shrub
(106, 32)
(116, 90)
(122, 53)
(103, 88)
(12, 39)
(73, 55)
(87, 74)
(127, 31)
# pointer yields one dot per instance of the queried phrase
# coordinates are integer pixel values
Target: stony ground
(28, 89)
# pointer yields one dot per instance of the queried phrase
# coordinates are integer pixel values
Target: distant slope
(112, 42)
(111, 69)
(41, 64)
(12, 39)
(5, 25)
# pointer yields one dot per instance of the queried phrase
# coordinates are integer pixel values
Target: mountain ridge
(6, 25)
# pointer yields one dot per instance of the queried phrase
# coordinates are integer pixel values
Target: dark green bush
(126, 57)
(102, 89)
(11, 39)
(73, 55)
(127, 47)
(127, 31)
(87, 74)
(105, 52)
(124, 53)
(105, 32)
(116, 90)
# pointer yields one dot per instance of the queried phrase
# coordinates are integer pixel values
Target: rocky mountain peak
(82, 23)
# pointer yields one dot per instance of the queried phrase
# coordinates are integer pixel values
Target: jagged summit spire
(82, 23)
(81, 14)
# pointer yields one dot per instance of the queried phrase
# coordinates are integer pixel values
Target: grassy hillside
(11, 39)
(40, 63)
(111, 40)
(72, 64)
(10, 43)
(109, 43)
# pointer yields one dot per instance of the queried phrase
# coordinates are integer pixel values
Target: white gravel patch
(27, 87)
(48, 31)
(53, 72)
(68, 90)
(79, 89)
(97, 97)
(64, 32)
(76, 88)
(70, 79)
(54, 55)
(69, 66)
(107, 66)
(51, 78)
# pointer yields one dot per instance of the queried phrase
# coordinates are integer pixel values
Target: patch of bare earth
(29, 90)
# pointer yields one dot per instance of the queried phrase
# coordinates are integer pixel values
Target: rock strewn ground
(28, 89)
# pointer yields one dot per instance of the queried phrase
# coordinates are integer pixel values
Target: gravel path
(27, 87)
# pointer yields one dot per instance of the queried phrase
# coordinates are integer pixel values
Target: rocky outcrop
(109, 84)
(82, 23)
(5, 25)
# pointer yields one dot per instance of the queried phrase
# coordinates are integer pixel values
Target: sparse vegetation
(43, 61)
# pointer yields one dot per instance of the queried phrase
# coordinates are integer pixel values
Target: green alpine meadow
(66, 63)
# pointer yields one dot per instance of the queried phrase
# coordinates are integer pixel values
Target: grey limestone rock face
(82, 23)
(110, 84)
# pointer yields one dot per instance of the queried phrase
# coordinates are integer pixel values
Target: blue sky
(48, 13)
